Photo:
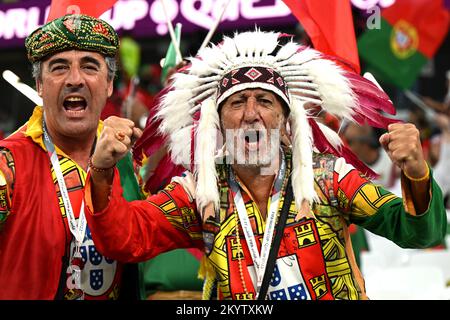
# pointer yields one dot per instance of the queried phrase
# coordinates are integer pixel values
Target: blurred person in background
(363, 141)
(440, 143)
(442, 149)
(131, 98)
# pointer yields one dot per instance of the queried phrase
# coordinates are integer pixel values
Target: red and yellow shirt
(100, 276)
(315, 259)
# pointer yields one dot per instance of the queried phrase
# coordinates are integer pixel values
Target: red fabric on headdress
(324, 146)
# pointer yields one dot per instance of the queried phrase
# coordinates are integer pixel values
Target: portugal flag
(410, 34)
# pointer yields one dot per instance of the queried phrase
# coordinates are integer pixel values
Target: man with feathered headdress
(269, 192)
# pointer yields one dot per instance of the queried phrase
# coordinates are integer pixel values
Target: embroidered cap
(72, 31)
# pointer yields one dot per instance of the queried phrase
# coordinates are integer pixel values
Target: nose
(74, 78)
(251, 113)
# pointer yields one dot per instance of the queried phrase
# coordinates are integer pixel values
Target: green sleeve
(128, 179)
(408, 231)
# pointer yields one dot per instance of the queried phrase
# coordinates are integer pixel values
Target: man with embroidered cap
(268, 193)
(46, 248)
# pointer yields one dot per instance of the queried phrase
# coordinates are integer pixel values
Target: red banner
(329, 24)
(92, 8)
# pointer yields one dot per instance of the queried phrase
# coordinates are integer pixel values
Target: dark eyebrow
(86, 59)
(57, 60)
(89, 59)
(239, 95)
(263, 95)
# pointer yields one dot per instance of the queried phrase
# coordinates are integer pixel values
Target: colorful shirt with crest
(315, 259)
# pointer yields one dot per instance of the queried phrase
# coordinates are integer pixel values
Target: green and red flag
(93, 8)
(410, 34)
(329, 24)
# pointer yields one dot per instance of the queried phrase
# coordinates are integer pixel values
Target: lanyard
(78, 229)
(260, 261)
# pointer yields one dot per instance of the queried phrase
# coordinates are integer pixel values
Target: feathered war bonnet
(189, 119)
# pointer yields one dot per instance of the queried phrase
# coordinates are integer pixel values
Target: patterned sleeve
(139, 230)
(178, 210)
(357, 195)
(383, 213)
(7, 174)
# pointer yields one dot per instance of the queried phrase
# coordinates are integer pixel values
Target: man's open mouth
(75, 104)
(252, 136)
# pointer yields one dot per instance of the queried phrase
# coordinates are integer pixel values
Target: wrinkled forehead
(253, 91)
(257, 92)
(75, 55)
(75, 58)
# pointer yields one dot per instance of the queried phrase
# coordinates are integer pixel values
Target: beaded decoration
(72, 31)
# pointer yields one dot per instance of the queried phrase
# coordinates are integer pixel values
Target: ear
(110, 88)
(285, 133)
(285, 125)
(39, 87)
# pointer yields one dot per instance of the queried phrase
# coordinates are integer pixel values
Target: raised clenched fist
(117, 138)
(402, 143)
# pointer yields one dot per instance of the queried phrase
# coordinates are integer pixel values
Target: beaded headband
(252, 77)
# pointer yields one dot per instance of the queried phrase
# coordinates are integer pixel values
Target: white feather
(306, 92)
(174, 117)
(331, 136)
(201, 67)
(208, 79)
(194, 109)
(228, 47)
(204, 87)
(204, 95)
(302, 153)
(301, 83)
(205, 150)
(287, 51)
(335, 90)
(180, 146)
(300, 95)
(296, 76)
(185, 81)
(256, 44)
(215, 58)
(298, 59)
